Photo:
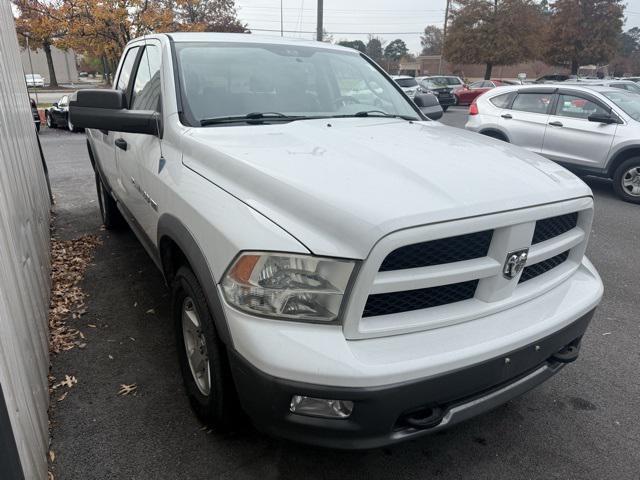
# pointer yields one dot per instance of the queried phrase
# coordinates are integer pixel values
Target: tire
(50, 122)
(214, 402)
(496, 135)
(37, 127)
(626, 180)
(70, 126)
(111, 217)
(445, 107)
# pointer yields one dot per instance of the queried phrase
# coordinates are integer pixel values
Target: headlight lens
(287, 286)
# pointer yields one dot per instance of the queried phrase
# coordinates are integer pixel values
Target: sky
(389, 19)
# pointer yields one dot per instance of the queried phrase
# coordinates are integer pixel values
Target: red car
(468, 93)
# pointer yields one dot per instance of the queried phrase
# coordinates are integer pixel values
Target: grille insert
(532, 271)
(406, 301)
(552, 227)
(437, 252)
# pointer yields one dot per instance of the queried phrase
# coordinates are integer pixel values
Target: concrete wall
(24, 271)
(64, 64)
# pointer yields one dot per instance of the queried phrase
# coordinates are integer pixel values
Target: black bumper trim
(380, 413)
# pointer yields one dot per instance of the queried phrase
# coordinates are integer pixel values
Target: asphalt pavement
(582, 424)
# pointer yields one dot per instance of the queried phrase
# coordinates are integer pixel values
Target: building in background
(64, 64)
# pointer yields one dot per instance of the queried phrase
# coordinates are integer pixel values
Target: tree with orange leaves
(41, 22)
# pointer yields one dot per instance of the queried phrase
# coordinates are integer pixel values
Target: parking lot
(582, 424)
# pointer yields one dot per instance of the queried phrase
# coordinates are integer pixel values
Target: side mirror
(602, 118)
(105, 110)
(429, 105)
(54, 104)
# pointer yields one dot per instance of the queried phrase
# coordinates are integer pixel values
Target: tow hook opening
(568, 353)
(423, 418)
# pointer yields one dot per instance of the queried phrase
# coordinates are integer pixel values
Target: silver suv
(593, 130)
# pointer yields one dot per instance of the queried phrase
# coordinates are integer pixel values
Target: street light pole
(281, 22)
(444, 36)
(319, 29)
(26, 36)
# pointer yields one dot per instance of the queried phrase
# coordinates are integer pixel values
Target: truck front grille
(397, 302)
(437, 252)
(548, 228)
(543, 267)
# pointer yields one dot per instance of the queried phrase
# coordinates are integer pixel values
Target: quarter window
(532, 102)
(577, 107)
(502, 101)
(146, 87)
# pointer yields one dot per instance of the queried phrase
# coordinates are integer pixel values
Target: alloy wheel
(196, 346)
(631, 181)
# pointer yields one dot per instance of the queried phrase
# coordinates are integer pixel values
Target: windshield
(446, 80)
(627, 101)
(237, 79)
(431, 84)
(406, 82)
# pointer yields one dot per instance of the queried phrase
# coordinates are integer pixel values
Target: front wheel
(626, 180)
(445, 107)
(203, 361)
(50, 123)
(111, 216)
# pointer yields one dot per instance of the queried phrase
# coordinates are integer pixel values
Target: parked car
(350, 275)
(34, 80)
(468, 93)
(623, 84)
(632, 79)
(57, 116)
(35, 114)
(592, 130)
(555, 78)
(442, 92)
(408, 84)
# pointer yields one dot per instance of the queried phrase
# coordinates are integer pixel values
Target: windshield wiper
(254, 117)
(376, 113)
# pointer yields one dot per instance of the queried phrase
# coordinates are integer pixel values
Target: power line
(335, 33)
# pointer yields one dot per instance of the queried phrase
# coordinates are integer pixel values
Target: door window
(577, 107)
(127, 68)
(502, 101)
(532, 102)
(476, 85)
(146, 86)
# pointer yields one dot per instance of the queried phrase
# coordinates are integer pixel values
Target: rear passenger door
(526, 121)
(571, 138)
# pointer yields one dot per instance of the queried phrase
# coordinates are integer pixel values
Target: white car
(589, 128)
(34, 80)
(349, 274)
(409, 85)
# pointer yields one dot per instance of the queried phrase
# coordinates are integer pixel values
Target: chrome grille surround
(512, 230)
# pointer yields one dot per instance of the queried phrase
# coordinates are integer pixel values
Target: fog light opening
(320, 407)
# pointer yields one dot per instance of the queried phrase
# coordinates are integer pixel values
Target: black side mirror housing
(603, 118)
(429, 105)
(104, 109)
(54, 104)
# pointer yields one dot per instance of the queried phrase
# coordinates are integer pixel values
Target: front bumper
(393, 413)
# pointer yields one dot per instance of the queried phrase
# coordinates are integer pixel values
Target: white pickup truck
(344, 270)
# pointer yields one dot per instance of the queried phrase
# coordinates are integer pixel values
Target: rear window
(532, 102)
(407, 82)
(446, 80)
(502, 101)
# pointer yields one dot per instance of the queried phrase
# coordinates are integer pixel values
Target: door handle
(555, 124)
(507, 116)
(121, 143)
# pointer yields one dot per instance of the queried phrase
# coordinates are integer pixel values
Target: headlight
(287, 286)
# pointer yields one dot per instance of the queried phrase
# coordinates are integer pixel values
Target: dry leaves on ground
(127, 389)
(69, 260)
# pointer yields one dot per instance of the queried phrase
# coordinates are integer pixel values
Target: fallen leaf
(110, 357)
(50, 476)
(91, 325)
(63, 396)
(151, 310)
(127, 389)
(606, 333)
(67, 382)
(135, 304)
(52, 456)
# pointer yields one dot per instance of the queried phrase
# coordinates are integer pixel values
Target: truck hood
(339, 185)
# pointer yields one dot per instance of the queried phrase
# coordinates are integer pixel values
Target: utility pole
(26, 36)
(319, 29)
(444, 36)
(281, 22)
